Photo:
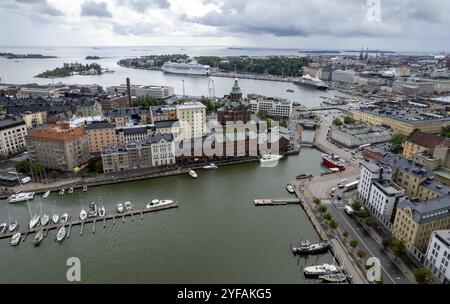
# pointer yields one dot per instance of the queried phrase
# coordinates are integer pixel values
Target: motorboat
(320, 270)
(210, 167)
(15, 239)
(39, 236)
(61, 192)
(270, 160)
(128, 206)
(83, 215)
(3, 227)
(101, 211)
(120, 208)
(290, 189)
(65, 218)
(290, 91)
(334, 278)
(84, 188)
(310, 248)
(12, 225)
(70, 190)
(193, 174)
(304, 176)
(55, 219)
(158, 203)
(61, 234)
(46, 194)
(93, 210)
(34, 221)
(44, 220)
(20, 197)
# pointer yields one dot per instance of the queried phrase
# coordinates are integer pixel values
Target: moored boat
(70, 190)
(84, 188)
(12, 225)
(290, 189)
(83, 215)
(38, 237)
(3, 227)
(55, 218)
(15, 239)
(128, 206)
(20, 197)
(64, 218)
(304, 176)
(101, 211)
(333, 161)
(210, 167)
(158, 203)
(310, 248)
(320, 270)
(193, 174)
(120, 208)
(61, 234)
(34, 221)
(46, 194)
(61, 192)
(44, 220)
(93, 210)
(334, 278)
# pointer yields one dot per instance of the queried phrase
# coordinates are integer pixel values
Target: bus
(360, 148)
(351, 186)
(349, 210)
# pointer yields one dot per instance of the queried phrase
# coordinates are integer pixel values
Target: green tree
(54, 174)
(423, 275)
(356, 206)
(399, 248)
(333, 224)
(23, 166)
(348, 120)
(397, 140)
(345, 234)
(446, 131)
(361, 254)
(337, 122)
(386, 243)
(327, 216)
(353, 243)
(369, 221)
(322, 208)
(317, 201)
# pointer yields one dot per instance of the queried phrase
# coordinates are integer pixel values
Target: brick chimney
(129, 91)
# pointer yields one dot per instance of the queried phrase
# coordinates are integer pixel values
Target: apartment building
(272, 106)
(384, 197)
(345, 76)
(101, 134)
(34, 119)
(369, 173)
(437, 256)
(159, 92)
(359, 134)
(192, 117)
(420, 141)
(12, 136)
(59, 147)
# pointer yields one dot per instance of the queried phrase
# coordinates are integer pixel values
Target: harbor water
(216, 235)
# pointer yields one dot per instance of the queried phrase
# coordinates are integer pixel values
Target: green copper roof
(236, 88)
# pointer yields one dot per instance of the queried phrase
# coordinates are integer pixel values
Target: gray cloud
(141, 6)
(95, 9)
(134, 29)
(40, 6)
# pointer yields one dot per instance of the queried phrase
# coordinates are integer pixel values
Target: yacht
(55, 219)
(46, 194)
(193, 174)
(321, 270)
(270, 160)
(61, 234)
(120, 208)
(101, 211)
(21, 197)
(84, 188)
(38, 237)
(93, 210)
(15, 239)
(188, 68)
(83, 215)
(12, 226)
(128, 206)
(3, 227)
(210, 167)
(34, 221)
(44, 220)
(61, 192)
(70, 190)
(307, 248)
(65, 218)
(158, 203)
(290, 189)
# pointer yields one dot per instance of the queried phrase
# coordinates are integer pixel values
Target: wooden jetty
(276, 201)
(111, 216)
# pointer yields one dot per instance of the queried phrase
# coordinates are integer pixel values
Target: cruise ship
(313, 82)
(188, 68)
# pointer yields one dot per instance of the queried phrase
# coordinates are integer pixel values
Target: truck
(25, 180)
(349, 210)
(351, 186)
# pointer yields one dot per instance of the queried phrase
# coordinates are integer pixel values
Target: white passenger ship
(188, 68)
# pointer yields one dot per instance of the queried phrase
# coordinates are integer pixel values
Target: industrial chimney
(129, 91)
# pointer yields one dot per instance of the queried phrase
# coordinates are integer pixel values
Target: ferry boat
(83, 215)
(193, 174)
(308, 248)
(20, 197)
(290, 189)
(61, 234)
(12, 225)
(38, 237)
(34, 221)
(321, 270)
(64, 218)
(312, 82)
(187, 68)
(46, 194)
(44, 220)
(15, 239)
(158, 203)
(333, 161)
(55, 218)
(210, 167)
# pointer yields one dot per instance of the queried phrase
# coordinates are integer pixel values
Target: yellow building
(35, 119)
(415, 221)
(101, 134)
(421, 142)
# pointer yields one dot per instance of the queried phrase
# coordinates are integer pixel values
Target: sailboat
(3, 227)
(46, 194)
(61, 234)
(84, 188)
(15, 239)
(83, 215)
(44, 217)
(12, 224)
(64, 218)
(55, 219)
(70, 190)
(34, 221)
(38, 237)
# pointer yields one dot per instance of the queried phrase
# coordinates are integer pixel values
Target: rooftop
(95, 125)
(428, 211)
(57, 133)
(397, 161)
(427, 140)
(7, 123)
(443, 236)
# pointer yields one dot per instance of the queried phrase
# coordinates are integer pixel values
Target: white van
(25, 180)
(349, 210)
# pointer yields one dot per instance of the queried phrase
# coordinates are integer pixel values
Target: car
(344, 180)
(340, 186)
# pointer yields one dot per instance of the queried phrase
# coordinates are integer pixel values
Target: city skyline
(406, 25)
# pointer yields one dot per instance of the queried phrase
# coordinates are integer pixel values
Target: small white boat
(61, 234)
(83, 215)
(101, 211)
(334, 278)
(128, 206)
(46, 194)
(44, 220)
(55, 218)
(64, 218)
(120, 208)
(61, 192)
(290, 189)
(38, 237)
(84, 188)
(158, 203)
(270, 160)
(15, 239)
(3, 227)
(70, 190)
(12, 225)
(193, 174)
(34, 221)
(321, 270)
(20, 197)
(210, 167)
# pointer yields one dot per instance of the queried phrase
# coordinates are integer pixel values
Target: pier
(93, 220)
(276, 201)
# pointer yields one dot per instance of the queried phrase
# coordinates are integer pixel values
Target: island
(93, 58)
(25, 56)
(70, 69)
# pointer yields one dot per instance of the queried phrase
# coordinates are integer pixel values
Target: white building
(345, 77)
(369, 173)
(438, 255)
(159, 92)
(192, 118)
(384, 196)
(360, 134)
(163, 150)
(12, 136)
(271, 106)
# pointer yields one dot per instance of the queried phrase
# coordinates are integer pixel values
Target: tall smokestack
(129, 91)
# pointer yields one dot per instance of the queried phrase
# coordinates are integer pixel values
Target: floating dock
(93, 220)
(276, 201)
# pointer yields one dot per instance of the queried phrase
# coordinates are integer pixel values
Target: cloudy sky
(385, 24)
